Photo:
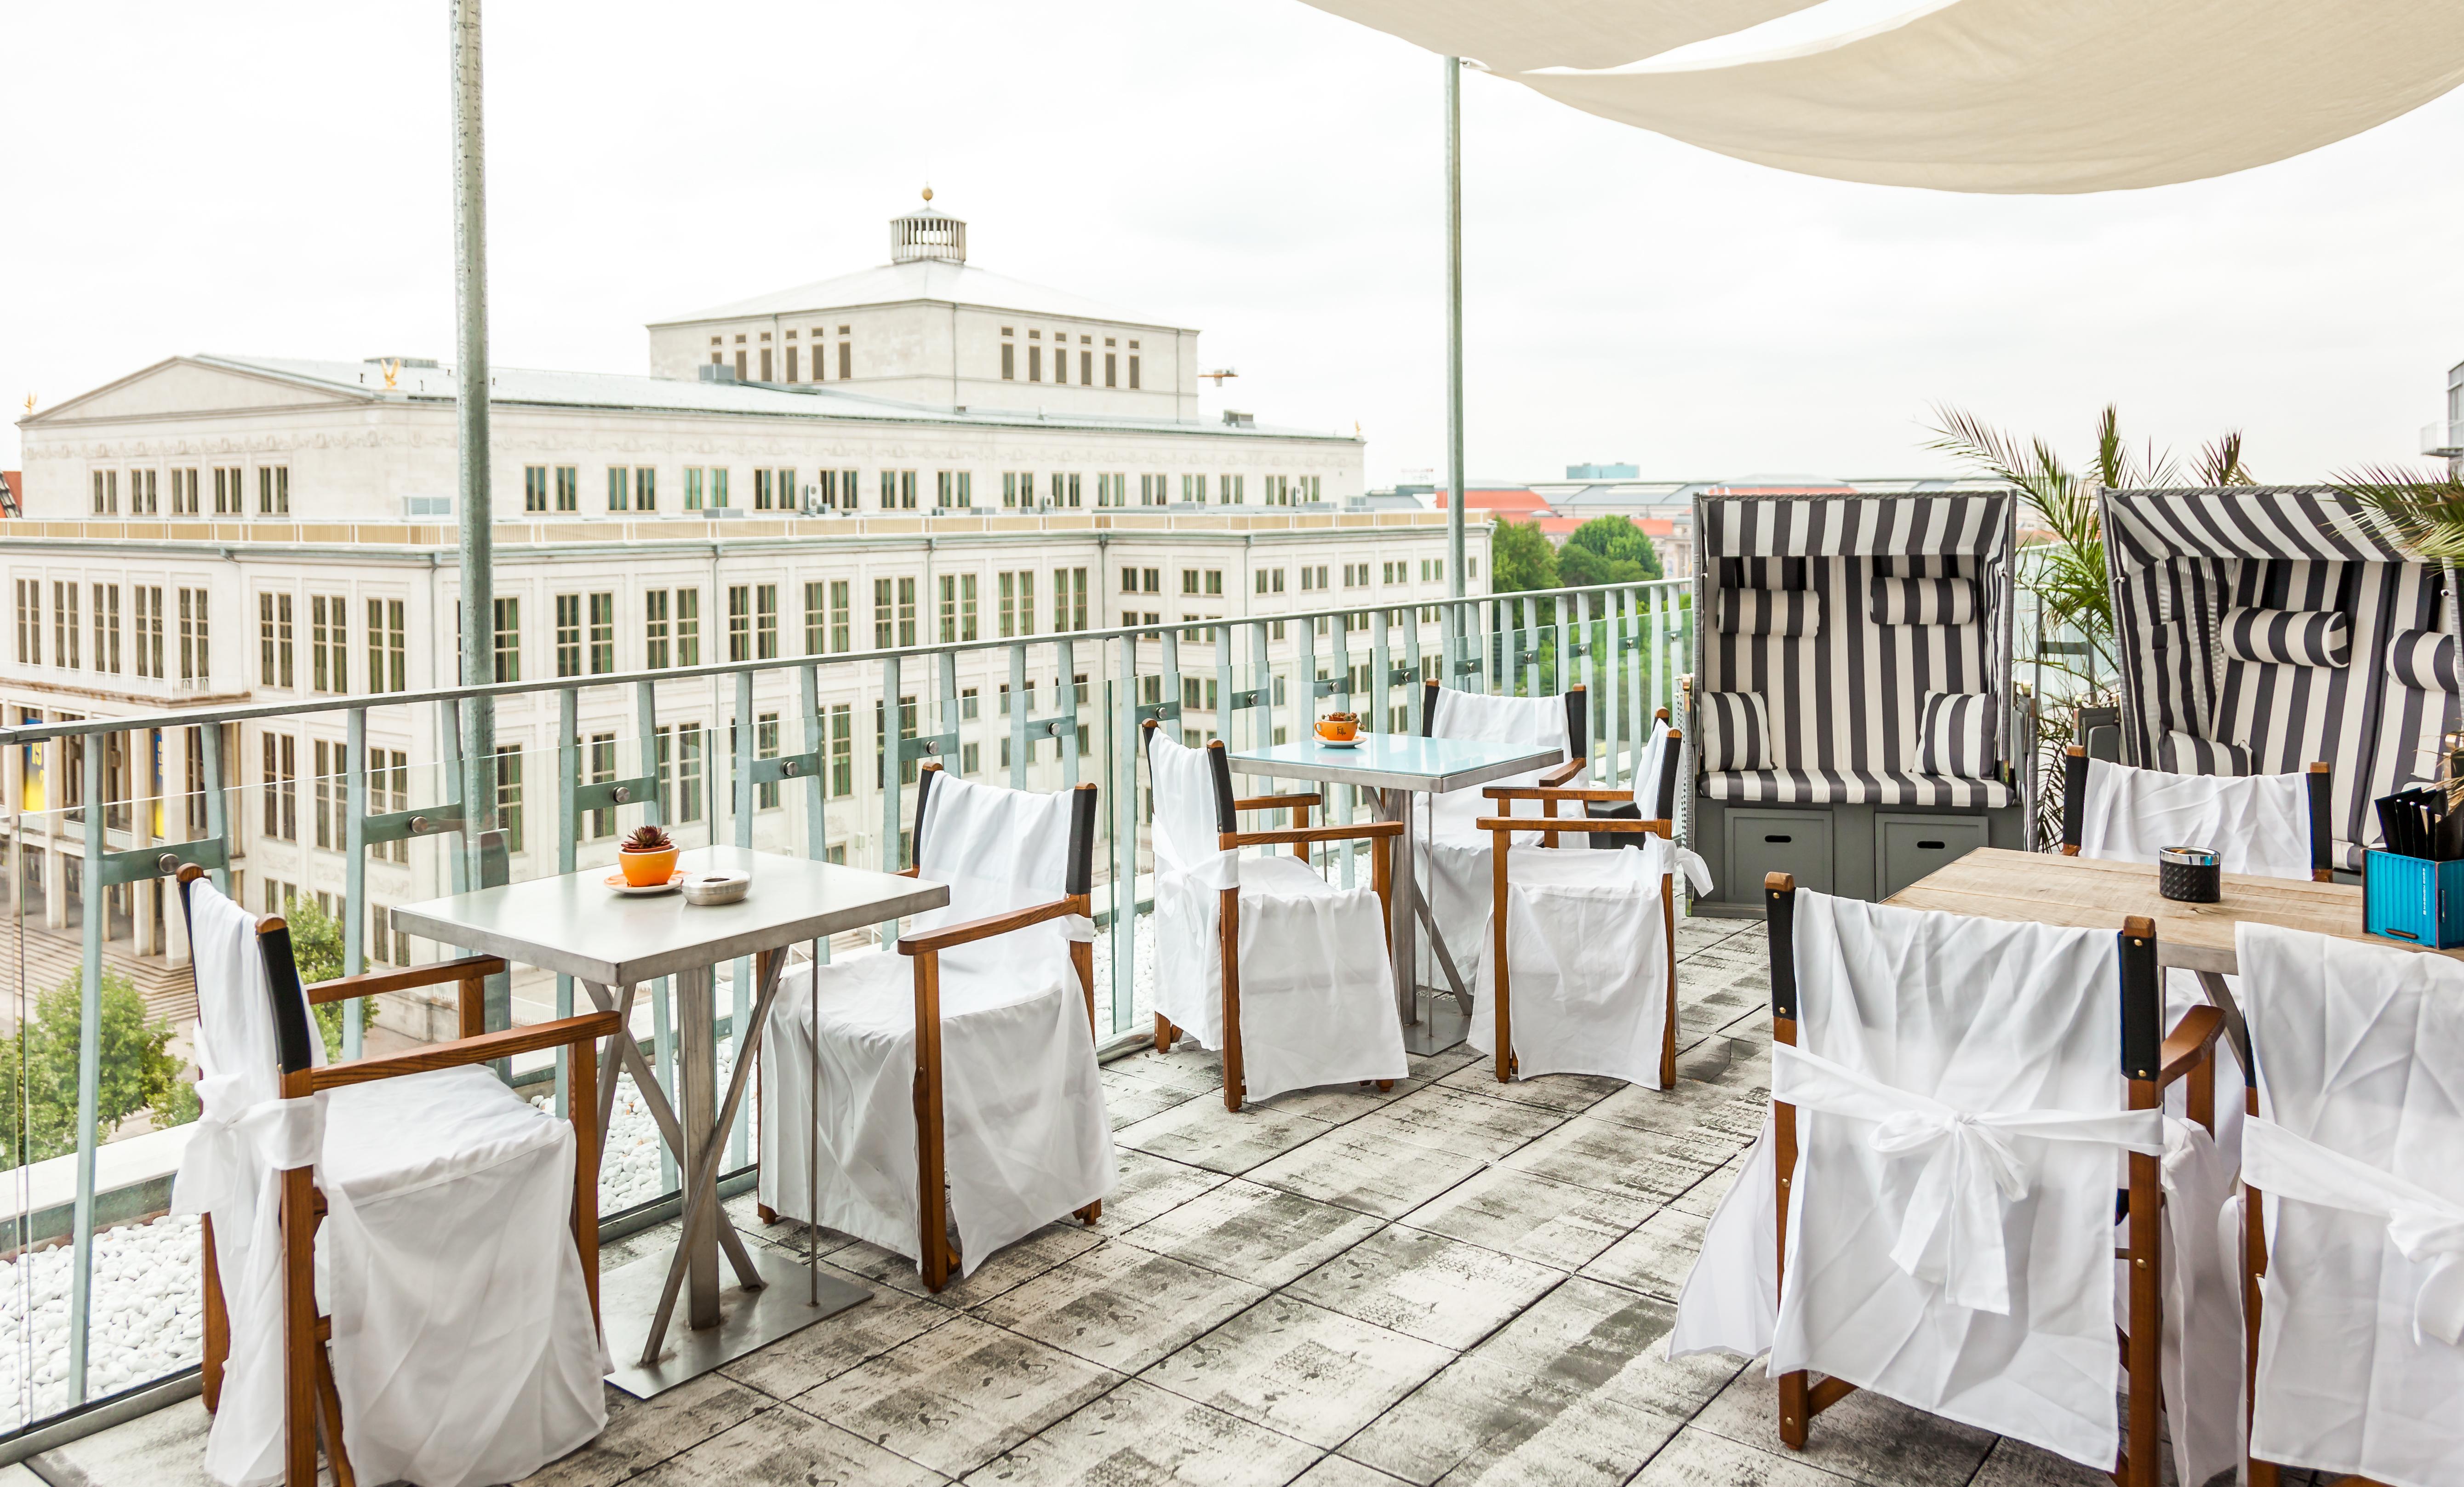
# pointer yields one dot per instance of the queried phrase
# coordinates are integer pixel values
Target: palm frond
(2424, 513)
(2219, 462)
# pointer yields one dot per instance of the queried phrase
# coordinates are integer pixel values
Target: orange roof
(13, 492)
(1496, 500)
(1557, 526)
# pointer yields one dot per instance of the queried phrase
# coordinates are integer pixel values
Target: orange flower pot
(648, 869)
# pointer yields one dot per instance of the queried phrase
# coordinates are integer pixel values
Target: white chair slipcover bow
(2424, 1228)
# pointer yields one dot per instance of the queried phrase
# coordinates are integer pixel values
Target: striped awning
(1856, 526)
(2144, 527)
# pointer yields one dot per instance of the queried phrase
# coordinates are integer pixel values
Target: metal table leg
(1403, 898)
(697, 1071)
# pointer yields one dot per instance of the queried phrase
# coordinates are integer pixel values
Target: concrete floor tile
(959, 1395)
(784, 1447)
(1013, 1264)
(164, 1449)
(1699, 1459)
(1150, 1185)
(1520, 1214)
(1588, 1338)
(2019, 1464)
(1119, 1305)
(1654, 1258)
(1128, 1100)
(827, 1348)
(1203, 1133)
(1426, 1285)
(1444, 1119)
(1139, 1435)
(1596, 1155)
(1702, 1199)
(1254, 1234)
(1299, 1369)
(1864, 1438)
(642, 1432)
(1359, 1168)
(1478, 1421)
(1188, 1067)
(1343, 1472)
(1565, 1094)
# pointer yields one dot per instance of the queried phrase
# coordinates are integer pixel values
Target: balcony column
(56, 876)
(141, 792)
(176, 786)
(13, 800)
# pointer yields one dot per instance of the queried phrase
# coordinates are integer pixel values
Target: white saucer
(616, 884)
(1348, 743)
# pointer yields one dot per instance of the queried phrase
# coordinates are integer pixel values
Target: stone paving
(1457, 1281)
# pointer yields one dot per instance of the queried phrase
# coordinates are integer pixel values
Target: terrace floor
(1457, 1281)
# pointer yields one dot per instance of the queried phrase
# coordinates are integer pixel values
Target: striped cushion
(1789, 612)
(1923, 600)
(1734, 729)
(2425, 659)
(1855, 787)
(2288, 637)
(1954, 735)
(2182, 754)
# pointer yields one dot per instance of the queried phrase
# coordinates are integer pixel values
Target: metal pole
(471, 410)
(1455, 492)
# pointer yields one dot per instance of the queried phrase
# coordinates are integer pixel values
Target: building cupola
(927, 233)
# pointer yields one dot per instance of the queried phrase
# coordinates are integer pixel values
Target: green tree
(1620, 541)
(137, 1070)
(316, 948)
(1520, 559)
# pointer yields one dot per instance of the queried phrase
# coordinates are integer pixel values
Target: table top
(1398, 761)
(2080, 892)
(573, 925)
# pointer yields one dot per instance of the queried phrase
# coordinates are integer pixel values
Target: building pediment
(195, 386)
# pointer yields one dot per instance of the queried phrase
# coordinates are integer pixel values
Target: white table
(1396, 767)
(612, 944)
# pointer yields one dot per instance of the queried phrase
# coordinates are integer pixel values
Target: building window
(882, 750)
(1009, 362)
(957, 490)
(774, 490)
(568, 635)
(1016, 604)
(766, 364)
(765, 622)
(106, 493)
(141, 494)
(816, 621)
(618, 484)
(791, 361)
(29, 621)
(654, 629)
(509, 640)
(146, 614)
(957, 608)
(1017, 490)
(509, 794)
(195, 663)
(1086, 367)
(883, 632)
(183, 493)
(688, 627)
(389, 795)
(765, 745)
(842, 641)
(645, 489)
(1068, 599)
(693, 486)
(568, 488)
(1134, 369)
(106, 629)
(679, 768)
(603, 770)
(602, 634)
(281, 776)
(1189, 581)
(329, 640)
(273, 638)
(388, 670)
(906, 612)
(534, 488)
(1035, 360)
(1112, 369)
(739, 621)
(274, 491)
(842, 749)
(1231, 490)
(1065, 491)
(64, 625)
(327, 793)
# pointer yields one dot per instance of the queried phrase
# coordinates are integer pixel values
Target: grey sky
(273, 178)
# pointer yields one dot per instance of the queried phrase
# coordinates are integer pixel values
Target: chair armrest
(984, 928)
(1358, 833)
(1572, 768)
(482, 1049)
(1277, 803)
(369, 983)
(2190, 1042)
(1551, 793)
(1572, 826)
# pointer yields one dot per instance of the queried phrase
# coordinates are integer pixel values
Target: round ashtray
(705, 889)
(2184, 874)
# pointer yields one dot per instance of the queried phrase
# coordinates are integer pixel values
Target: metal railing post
(569, 836)
(889, 790)
(93, 911)
(355, 871)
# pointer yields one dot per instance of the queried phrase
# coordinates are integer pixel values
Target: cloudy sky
(274, 179)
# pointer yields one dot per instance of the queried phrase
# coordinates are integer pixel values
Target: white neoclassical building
(215, 530)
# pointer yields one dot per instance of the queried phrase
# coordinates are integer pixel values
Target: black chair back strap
(1779, 904)
(1663, 790)
(2074, 796)
(1429, 707)
(290, 1005)
(1081, 879)
(1218, 768)
(2142, 1002)
(2322, 834)
(1579, 717)
(924, 778)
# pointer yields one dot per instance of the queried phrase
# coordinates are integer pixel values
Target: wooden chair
(308, 1378)
(2150, 1061)
(939, 1254)
(1606, 831)
(2320, 786)
(1300, 837)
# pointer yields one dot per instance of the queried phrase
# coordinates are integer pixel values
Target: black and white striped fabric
(2181, 560)
(2425, 659)
(1923, 600)
(1846, 704)
(2180, 753)
(1792, 612)
(1955, 735)
(2288, 637)
(1734, 730)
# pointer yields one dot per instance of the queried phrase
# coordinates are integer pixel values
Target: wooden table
(2089, 893)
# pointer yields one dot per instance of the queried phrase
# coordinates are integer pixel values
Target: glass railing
(335, 811)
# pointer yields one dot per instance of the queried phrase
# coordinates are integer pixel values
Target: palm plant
(2422, 513)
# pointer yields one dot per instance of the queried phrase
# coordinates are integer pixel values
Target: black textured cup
(2189, 875)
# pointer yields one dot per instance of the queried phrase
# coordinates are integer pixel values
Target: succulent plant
(648, 839)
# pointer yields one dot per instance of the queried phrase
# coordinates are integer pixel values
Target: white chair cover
(1455, 876)
(1959, 1103)
(1022, 1111)
(1655, 759)
(464, 1350)
(2257, 823)
(1317, 1003)
(1588, 944)
(2361, 1158)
